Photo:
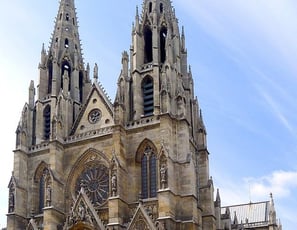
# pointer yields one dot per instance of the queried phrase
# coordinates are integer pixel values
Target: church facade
(140, 162)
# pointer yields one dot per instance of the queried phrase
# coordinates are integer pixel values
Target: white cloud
(280, 183)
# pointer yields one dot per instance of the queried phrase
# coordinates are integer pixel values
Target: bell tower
(64, 80)
(159, 80)
(156, 96)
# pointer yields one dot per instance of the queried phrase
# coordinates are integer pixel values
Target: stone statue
(96, 71)
(48, 195)
(81, 212)
(163, 176)
(114, 184)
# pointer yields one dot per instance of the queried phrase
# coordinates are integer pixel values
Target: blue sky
(243, 56)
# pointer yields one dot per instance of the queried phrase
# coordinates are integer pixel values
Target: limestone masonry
(140, 162)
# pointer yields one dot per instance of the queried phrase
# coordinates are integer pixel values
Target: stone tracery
(95, 181)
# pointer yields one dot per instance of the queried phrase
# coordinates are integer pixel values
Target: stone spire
(65, 36)
(63, 75)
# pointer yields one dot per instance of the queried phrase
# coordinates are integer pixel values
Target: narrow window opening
(34, 128)
(73, 21)
(148, 96)
(161, 8)
(66, 67)
(46, 122)
(150, 7)
(144, 177)
(131, 95)
(50, 77)
(148, 174)
(163, 36)
(60, 16)
(67, 17)
(41, 194)
(66, 44)
(81, 77)
(153, 176)
(148, 45)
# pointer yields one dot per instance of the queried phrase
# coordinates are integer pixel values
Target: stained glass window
(153, 176)
(95, 181)
(144, 177)
(41, 193)
(148, 174)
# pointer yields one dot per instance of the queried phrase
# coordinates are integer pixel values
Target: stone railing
(147, 66)
(142, 122)
(89, 134)
(39, 147)
(75, 138)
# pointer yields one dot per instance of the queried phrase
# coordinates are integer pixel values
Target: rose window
(95, 181)
(94, 116)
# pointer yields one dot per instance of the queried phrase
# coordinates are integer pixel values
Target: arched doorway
(82, 226)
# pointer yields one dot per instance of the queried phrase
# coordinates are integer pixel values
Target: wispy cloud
(277, 111)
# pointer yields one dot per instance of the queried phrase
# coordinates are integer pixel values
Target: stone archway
(82, 226)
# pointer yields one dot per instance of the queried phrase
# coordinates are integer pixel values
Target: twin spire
(65, 38)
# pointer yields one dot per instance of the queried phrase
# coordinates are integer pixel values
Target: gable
(83, 214)
(96, 114)
(141, 220)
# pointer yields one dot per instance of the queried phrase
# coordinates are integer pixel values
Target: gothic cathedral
(141, 162)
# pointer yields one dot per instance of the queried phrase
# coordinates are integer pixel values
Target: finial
(96, 72)
(235, 218)
(137, 15)
(43, 49)
(218, 198)
(31, 84)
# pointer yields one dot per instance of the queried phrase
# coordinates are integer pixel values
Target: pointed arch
(147, 86)
(43, 184)
(12, 194)
(66, 67)
(91, 172)
(50, 76)
(163, 38)
(148, 44)
(161, 8)
(147, 157)
(150, 7)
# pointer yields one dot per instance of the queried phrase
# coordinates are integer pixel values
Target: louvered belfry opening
(47, 122)
(148, 96)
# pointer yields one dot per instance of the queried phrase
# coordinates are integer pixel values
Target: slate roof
(251, 213)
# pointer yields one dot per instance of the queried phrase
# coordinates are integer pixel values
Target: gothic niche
(95, 181)
(11, 199)
(114, 178)
(163, 173)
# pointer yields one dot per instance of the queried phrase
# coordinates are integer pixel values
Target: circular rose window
(95, 181)
(94, 116)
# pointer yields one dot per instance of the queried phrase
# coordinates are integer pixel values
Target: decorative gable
(96, 114)
(141, 220)
(83, 214)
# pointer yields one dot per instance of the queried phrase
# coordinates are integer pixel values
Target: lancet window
(148, 96)
(148, 173)
(148, 44)
(47, 122)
